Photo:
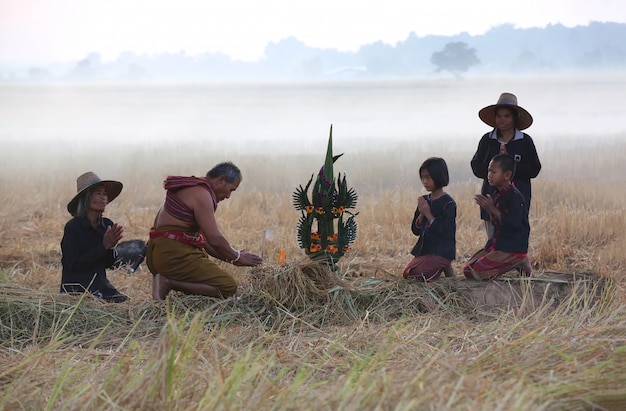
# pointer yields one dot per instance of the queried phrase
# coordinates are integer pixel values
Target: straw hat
(88, 180)
(488, 114)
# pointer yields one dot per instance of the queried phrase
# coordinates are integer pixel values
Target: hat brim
(114, 188)
(488, 115)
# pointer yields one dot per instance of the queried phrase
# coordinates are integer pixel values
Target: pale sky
(41, 31)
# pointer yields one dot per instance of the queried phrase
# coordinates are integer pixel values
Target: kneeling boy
(508, 249)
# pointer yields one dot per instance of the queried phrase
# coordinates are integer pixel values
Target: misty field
(296, 336)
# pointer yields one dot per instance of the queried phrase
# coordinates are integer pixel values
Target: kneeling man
(185, 234)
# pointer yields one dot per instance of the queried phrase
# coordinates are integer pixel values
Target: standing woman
(508, 120)
(89, 239)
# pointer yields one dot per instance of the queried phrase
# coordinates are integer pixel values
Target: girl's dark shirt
(527, 164)
(512, 231)
(84, 258)
(438, 238)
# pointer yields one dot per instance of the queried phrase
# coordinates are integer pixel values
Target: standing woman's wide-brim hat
(488, 114)
(85, 181)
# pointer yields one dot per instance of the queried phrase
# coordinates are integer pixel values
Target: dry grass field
(298, 337)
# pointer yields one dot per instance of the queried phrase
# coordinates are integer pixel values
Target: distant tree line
(501, 50)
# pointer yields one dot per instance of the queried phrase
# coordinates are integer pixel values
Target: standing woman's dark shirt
(85, 259)
(527, 164)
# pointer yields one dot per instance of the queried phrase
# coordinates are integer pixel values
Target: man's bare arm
(216, 244)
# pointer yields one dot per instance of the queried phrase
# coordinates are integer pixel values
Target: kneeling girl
(435, 225)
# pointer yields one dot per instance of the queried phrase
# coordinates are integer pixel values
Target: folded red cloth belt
(194, 240)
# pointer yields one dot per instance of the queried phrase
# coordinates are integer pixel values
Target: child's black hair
(438, 170)
(507, 163)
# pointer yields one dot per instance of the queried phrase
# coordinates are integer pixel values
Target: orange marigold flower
(332, 249)
(339, 210)
(315, 236)
(333, 237)
(315, 248)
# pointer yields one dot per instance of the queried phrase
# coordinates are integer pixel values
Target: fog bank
(295, 118)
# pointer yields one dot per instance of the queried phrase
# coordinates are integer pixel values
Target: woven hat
(85, 181)
(488, 114)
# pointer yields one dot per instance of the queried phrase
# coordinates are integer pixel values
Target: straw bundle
(295, 285)
(30, 316)
(307, 293)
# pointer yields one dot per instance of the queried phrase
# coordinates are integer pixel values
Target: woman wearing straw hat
(507, 119)
(89, 239)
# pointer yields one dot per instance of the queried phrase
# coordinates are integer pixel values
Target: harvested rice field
(298, 335)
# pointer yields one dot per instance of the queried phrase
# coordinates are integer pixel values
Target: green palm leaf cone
(330, 201)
